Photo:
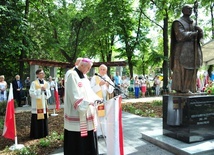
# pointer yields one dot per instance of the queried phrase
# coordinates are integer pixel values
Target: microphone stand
(115, 87)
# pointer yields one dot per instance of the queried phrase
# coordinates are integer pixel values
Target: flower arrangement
(209, 89)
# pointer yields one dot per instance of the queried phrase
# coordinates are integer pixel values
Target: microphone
(99, 76)
(96, 74)
(111, 84)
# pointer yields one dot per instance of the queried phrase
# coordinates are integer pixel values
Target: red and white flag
(9, 124)
(56, 95)
(114, 134)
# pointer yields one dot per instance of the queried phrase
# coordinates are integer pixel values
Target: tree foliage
(103, 30)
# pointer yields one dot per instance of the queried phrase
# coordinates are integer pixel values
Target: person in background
(136, 87)
(157, 83)
(27, 87)
(3, 89)
(27, 83)
(61, 89)
(102, 88)
(117, 82)
(17, 89)
(148, 86)
(143, 86)
(124, 86)
(80, 116)
(39, 92)
(52, 85)
(131, 85)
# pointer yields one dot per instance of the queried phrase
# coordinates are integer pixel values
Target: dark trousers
(18, 98)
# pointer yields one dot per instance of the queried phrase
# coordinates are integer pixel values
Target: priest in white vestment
(80, 119)
(102, 85)
(39, 92)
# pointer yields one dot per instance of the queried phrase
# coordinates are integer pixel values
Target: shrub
(3, 106)
(1, 122)
(157, 103)
(27, 151)
(44, 142)
(145, 109)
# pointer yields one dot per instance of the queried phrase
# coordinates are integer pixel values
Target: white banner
(114, 129)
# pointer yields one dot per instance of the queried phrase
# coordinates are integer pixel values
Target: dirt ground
(23, 131)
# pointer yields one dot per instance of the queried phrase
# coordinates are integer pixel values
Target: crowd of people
(140, 86)
(123, 86)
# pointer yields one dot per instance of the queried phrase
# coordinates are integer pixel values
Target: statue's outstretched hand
(194, 34)
(200, 31)
(197, 28)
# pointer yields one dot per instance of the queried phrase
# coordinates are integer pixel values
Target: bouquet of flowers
(209, 89)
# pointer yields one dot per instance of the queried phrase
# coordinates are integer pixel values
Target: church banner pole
(54, 113)
(57, 104)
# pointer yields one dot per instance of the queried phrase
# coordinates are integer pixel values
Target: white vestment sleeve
(79, 92)
(36, 94)
(110, 87)
(83, 106)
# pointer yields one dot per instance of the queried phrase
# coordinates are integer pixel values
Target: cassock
(80, 119)
(39, 118)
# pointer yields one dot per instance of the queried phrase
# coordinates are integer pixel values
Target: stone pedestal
(188, 118)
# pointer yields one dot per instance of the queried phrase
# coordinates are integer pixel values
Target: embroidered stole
(41, 103)
(100, 107)
(99, 93)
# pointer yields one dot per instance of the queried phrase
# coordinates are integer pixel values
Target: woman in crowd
(136, 87)
(143, 86)
(3, 89)
(157, 83)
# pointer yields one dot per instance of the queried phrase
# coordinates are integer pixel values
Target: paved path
(145, 99)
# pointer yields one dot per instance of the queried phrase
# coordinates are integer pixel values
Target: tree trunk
(130, 66)
(165, 62)
(24, 42)
(109, 55)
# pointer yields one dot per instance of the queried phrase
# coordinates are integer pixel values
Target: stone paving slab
(155, 136)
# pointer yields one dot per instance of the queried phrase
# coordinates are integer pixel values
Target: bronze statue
(186, 55)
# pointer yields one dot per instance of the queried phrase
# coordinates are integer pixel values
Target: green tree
(12, 26)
